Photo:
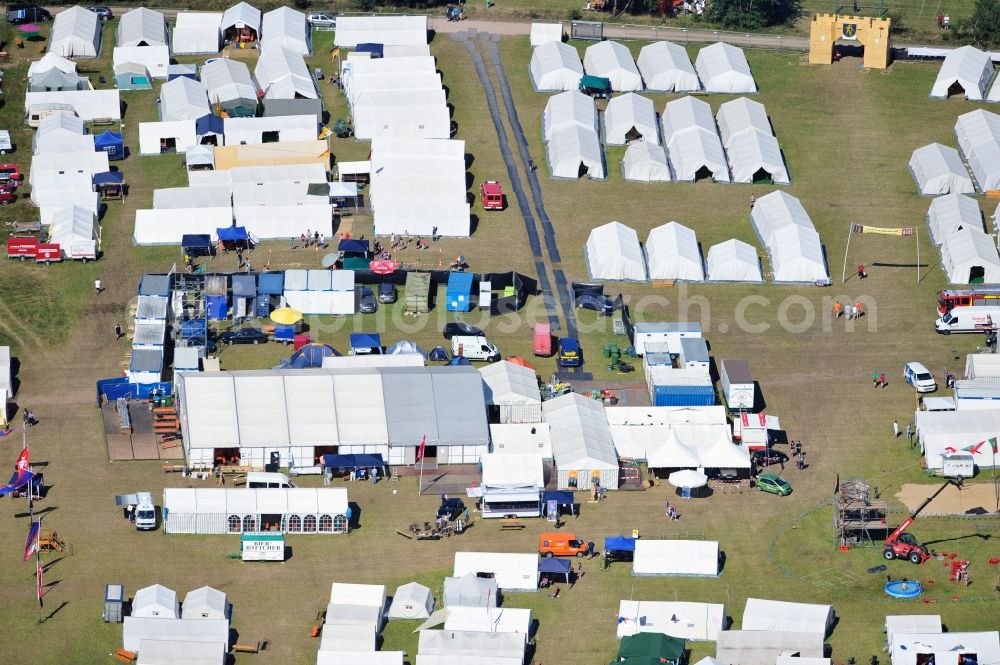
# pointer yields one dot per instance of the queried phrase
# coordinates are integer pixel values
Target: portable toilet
(114, 603)
(459, 293)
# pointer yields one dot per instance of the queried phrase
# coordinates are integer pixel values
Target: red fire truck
(983, 296)
(492, 195)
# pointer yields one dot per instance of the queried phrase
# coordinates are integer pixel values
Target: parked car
(243, 336)
(919, 377)
(322, 20)
(562, 544)
(20, 14)
(210, 345)
(10, 174)
(368, 303)
(570, 353)
(773, 483)
(7, 194)
(595, 301)
(451, 509)
(6, 145)
(387, 293)
(768, 456)
(103, 13)
(461, 328)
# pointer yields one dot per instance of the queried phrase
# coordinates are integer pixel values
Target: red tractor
(492, 195)
(902, 545)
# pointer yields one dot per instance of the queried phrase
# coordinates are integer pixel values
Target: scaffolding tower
(858, 519)
(190, 310)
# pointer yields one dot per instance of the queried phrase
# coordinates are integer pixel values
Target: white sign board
(263, 547)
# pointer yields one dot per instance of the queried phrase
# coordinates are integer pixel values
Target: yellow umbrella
(286, 316)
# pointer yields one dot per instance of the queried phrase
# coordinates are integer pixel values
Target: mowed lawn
(847, 135)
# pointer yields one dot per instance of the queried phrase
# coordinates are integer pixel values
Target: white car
(322, 20)
(919, 377)
(5, 142)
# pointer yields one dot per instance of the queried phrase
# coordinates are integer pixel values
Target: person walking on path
(895, 429)
(909, 432)
(882, 381)
(118, 331)
(753, 201)
(802, 461)
(837, 309)
(874, 379)
(98, 287)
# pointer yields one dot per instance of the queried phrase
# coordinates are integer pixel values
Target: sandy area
(978, 498)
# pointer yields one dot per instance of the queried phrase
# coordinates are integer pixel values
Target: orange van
(561, 544)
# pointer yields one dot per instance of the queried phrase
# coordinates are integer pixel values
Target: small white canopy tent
(741, 115)
(286, 28)
(205, 603)
(951, 212)
(695, 622)
(142, 27)
(937, 169)
(183, 99)
(282, 74)
(724, 69)
(688, 558)
(555, 66)
(385, 30)
(777, 615)
(512, 571)
(197, 32)
(755, 156)
(614, 62)
(173, 652)
(945, 648)
(613, 253)
(940, 430)
(568, 109)
(978, 135)
(797, 255)
(733, 261)
(411, 601)
(672, 253)
(666, 67)
(470, 591)
(155, 601)
(574, 152)
(966, 71)
(76, 33)
(969, 256)
(628, 118)
(645, 162)
(545, 33)
(696, 153)
(582, 446)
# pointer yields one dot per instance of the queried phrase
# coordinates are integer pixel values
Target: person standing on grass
(909, 432)
(802, 460)
(837, 309)
(118, 331)
(98, 287)
(882, 381)
(895, 429)
(874, 379)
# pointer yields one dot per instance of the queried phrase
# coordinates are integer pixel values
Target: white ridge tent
(733, 261)
(545, 33)
(568, 109)
(229, 84)
(197, 32)
(755, 157)
(695, 622)
(183, 99)
(241, 15)
(672, 253)
(76, 33)
(513, 389)
(777, 210)
(688, 558)
(764, 647)
(286, 28)
(155, 59)
(645, 162)
(582, 446)
(88, 104)
(172, 652)
(555, 66)
(512, 571)
(724, 69)
(613, 253)
(978, 135)
(48, 62)
(778, 615)
(359, 657)
(155, 601)
(282, 74)
(939, 430)
(951, 212)
(687, 113)
(630, 117)
(937, 169)
(489, 620)
(696, 154)
(797, 255)
(470, 591)
(349, 637)
(966, 71)
(574, 152)
(969, 255)
(903, 624)
(142, 27)
(136, 630)
(471, 646)
(385, 30)
(666, 67)
(613, 61)
(741, 115)
(61, 132)
(945, 648)
(76, 231)
(411, 601)
(166, 227)
(205, 603)
(175, 135)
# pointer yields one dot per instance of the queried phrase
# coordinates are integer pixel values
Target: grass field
(847, 135)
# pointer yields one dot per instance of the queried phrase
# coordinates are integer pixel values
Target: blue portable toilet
(459, 294)
(111, 143)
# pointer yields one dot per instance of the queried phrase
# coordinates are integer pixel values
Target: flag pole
(38, 572)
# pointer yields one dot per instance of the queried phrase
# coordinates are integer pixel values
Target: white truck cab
(967, 319)
(474, 347)
(145, 512)
(919, 377)
(263, 480)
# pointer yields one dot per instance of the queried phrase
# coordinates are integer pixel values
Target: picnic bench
(124, 419)
(511, 524)
(102, 121)
(253, 647)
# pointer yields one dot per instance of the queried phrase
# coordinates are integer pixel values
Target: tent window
(234, 524)
(325, 523)
(340, 523)
(270, 137)
(309, 523)
(968, 659)
(294, 523)
(249, 523)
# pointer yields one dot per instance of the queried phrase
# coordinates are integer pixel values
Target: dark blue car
(570, 354)
(243, 336)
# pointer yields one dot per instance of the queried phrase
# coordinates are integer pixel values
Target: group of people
(380, 252)
(855, 311)
(454, 13)
(799, 455)
(311, 239)
(672, 513)
(879, 380)
(359, 473)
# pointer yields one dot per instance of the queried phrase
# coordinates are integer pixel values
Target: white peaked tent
(686, 113)
(937, 169)
(765, 647)
(61, 132)
(741, 115)
(574, 152)
(628, 118)
(155, 601)
(696, 153)
(614, 62)
(470, 591)
(183, 99)
(733, 261)
(349, 637)
(76, 33)
(75, 230)
(776, 210)
(908, 624)
(171, 652)
(359, 657)
(487, 620)
(239, 16)
(568, 109)
(229, 82)
(672, 253)
(282, 74)
(797, 255)
(48, 62)
(142, 27)
(555, 66)
(951, 212)
(970, 255)
(697, 622)
(411, 601)
(88, 104)
(645, 162)
(288, 29)
(777, 615)
(687, 558)
(545, 33)
(966, 71)
(582, 446)
(205, 603)
(385, 30)
(512, 571)
(197, 32)
(723, 68)
(978, 135)
(666, 67)
(507, 384)
(613, 253)
(951, 648)
(754, 157)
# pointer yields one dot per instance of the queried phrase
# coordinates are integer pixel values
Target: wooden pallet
(254, 647)
(125, 656)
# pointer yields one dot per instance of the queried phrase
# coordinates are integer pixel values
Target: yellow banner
(882, 231)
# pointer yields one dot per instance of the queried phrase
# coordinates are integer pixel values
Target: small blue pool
(901, 589)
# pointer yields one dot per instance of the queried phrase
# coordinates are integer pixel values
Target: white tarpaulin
(286, 28)
(613, 61)
(142, 27)
(513, 572)
(778, 615)
(555, 66)
(689, 558)
(545, 33)
(937, 169)
(941, 433)
(156, 138)
(723, 68)
(695, 622)
(733, 261)
(965, 71)
(628, 118)
(385, 30)
(76, 33)
(197, 32)
(969, 254)
(645, 162)
(672, 253)
(613, 253)
(950, 213)
(666, 67)
(978, 135)
(166, 227)
(88, 104)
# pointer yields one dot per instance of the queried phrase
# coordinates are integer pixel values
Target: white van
(966, 319)
(474, 347)
(38, 112)
(145, 512)
(262, 480)
(919, 377)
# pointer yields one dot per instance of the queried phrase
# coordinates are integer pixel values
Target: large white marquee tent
(286, 28)
(613, 253)
(672, 252)
(555, 66)
(733, 261)
(724, 69)
(969, 255)
(965, 70)
(696, 622)
(574, 152)
(282, 74)
(614, 62)
(197, 32)
(211, 510)
(385, 30)
(76, 33)
(142, 27)
(630, 117)
(937, 169)
(183, 99)
(777, 615)
(582, 445)
(568, 109)
(88, 104)
(939, 431)
(512, 572)
(688, 558)
(645, 162)
(666, 67)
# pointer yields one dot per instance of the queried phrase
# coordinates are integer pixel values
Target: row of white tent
(968, 252)
(660, 67)
(160, 630)
(396, 97)
(787, 232)
(202, 32)
(967, 71)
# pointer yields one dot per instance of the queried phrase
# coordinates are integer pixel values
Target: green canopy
(595, 83)
(651, 645)
(356, 263)
(640, 660)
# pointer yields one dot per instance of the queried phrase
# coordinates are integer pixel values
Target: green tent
(657, 646)
(595, 85)
(355, 263)
(639, 660)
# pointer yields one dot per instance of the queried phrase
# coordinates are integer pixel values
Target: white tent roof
(142, 27)
(763, 647)
(76, 33)
(696, 622)
(555, 66)
(522, 437)
(629, 112)
(438, 659)
(613, 61)
(741, 115)
(967, 67)
(51, 61)
(512, 571)
(966, 250)
(686, 113)
(205, 603)
(666, 67)
(723, 68)
(489, 620)
(690, 558)
(470, 646)
(994, 95)
(544, 33)
(228, 80)
(155, 601)
(568, 109)
(571, 148)
(183, 99)
(797, 255)
(672, 253)
(393, 120)
(733, 261)
(353, 615)
(941, 430)
(215, 500)
(359, 658)
(288, 29)
(581, 437)
(981, 366)
(696, 445)
(470, 591)
(252, 131)
(938, 169)
(509, 383)
(282, 74)
(365, 595)
(349, 637)
(945, 648)
(88, 104)
(239, 15)
(636, 430)
(645, 162)
(513, 470)
(778, 615)
(171, 198)
(175, 652)
(775, 211)
(613, 253)
(152, 61)
(385, 30)
(694, 150)
(411, 601)
(61, 132)
(197, 32)
(978, 135)
(754, 154)
(75, 229)
(911, 623)
(951, 212)
(166, 227)
(6, 389)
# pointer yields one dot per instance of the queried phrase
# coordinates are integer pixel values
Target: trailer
(30, 247)
(542, 345)
(737, 385)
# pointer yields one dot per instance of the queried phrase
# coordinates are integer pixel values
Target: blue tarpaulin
(216, 307)
(362, 461)
(459, 293)
(209, 124)
(117, 387)
(366, 341)
(109, 178)
(353, 247)
(553, 568)
(271, 283)
(375, 49)
(619, 544)
(111, 143)
(230, 233)
(561, 498)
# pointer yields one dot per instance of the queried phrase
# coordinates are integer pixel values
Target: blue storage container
(683, 396)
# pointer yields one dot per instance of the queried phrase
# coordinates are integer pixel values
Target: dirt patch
(973, 499)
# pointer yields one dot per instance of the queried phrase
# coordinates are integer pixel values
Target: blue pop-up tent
(619, 544)
(459, 293)
(353, 247)
(196, 244)
(111, 143)
(366, 341)
(109, 178)
(359, 461)
(208, 125)
(554, 568)
(232, 233)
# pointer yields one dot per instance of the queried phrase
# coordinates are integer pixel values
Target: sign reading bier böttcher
(262, 547)
(849, 31)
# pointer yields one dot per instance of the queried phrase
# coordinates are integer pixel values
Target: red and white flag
(422, 449)
(41, 588)
(23, 461)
